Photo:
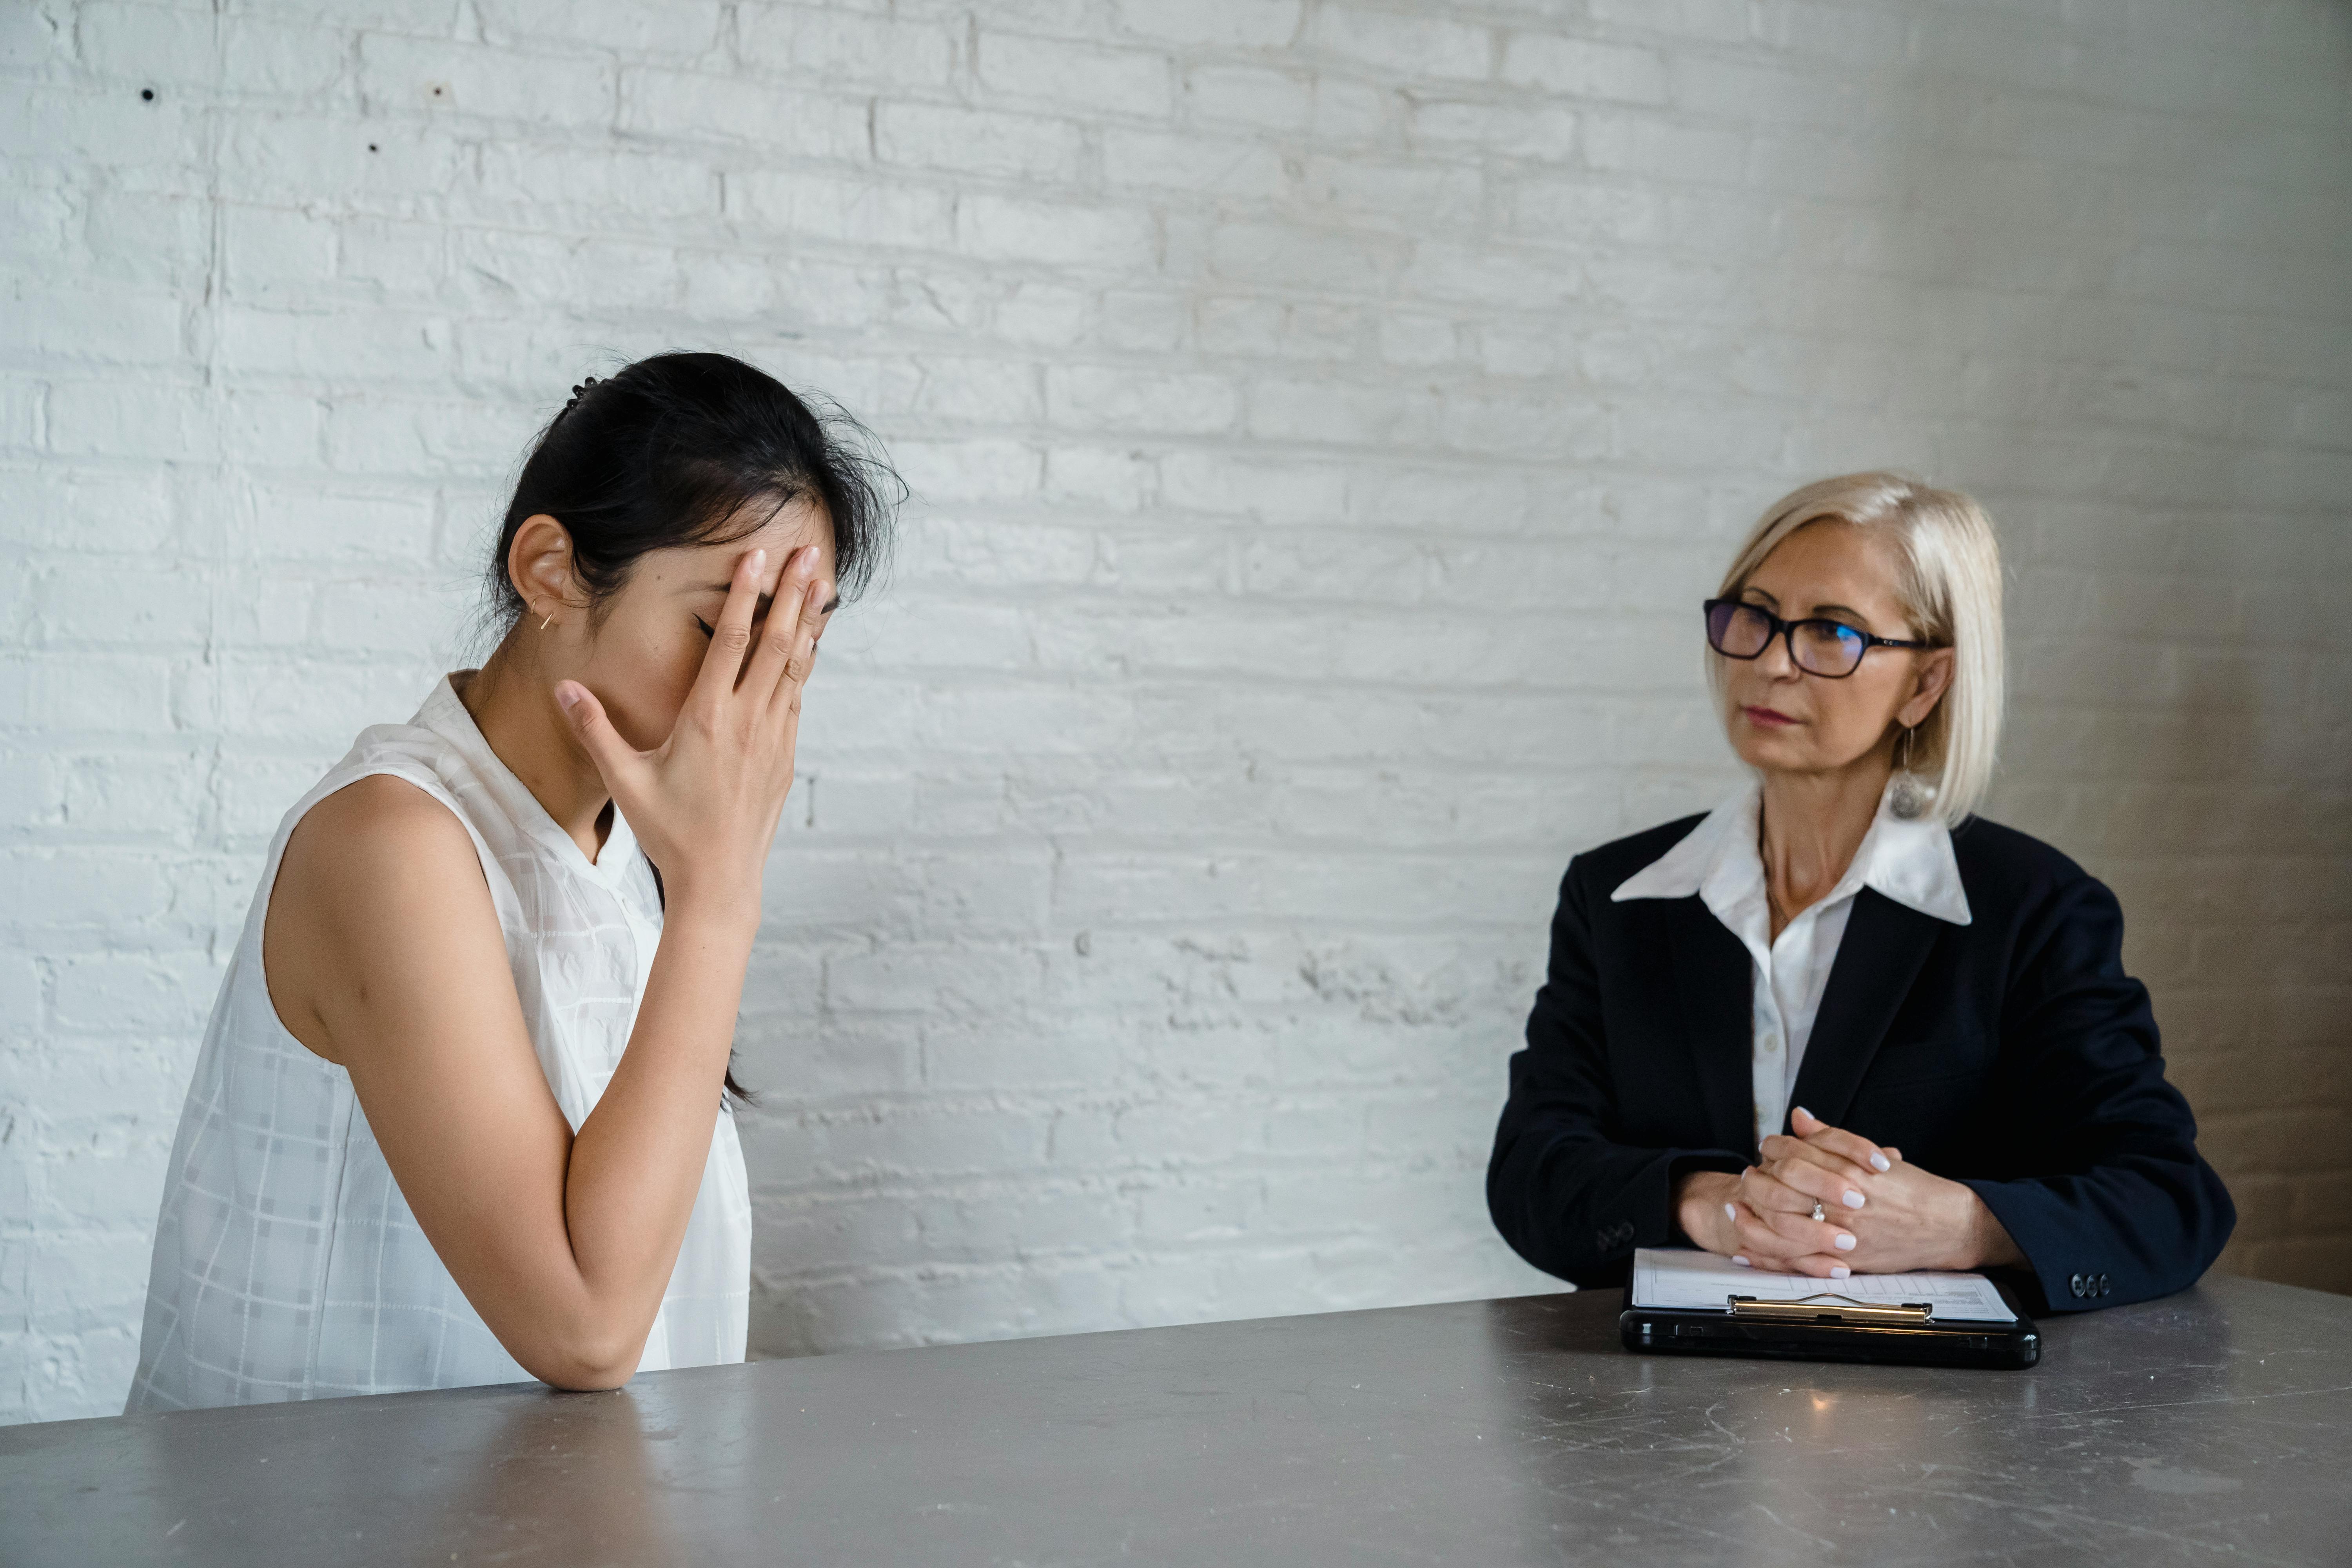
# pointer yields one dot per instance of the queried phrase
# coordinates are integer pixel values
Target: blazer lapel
(1883, 946)
(1714, 981)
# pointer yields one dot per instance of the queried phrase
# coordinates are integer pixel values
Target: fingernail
(1879, 1162)
(759, 561)
(567, 697)
(1802, 1111)
(1839, 1271)
(1854, 1200)
(1741, 1262)
(1844, 1242)
(1730, 1213)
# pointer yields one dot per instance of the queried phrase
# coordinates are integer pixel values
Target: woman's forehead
(760, 524)
(707, 566)
(1830, 560)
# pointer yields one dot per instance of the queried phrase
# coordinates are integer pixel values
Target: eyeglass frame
(1787, 632)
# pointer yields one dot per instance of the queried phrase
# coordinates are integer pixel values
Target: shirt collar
(445, 714)
(1909, 862)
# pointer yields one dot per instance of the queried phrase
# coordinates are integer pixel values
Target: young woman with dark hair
(463, 1113)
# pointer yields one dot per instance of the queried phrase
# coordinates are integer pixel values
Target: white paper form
(1689, 1280)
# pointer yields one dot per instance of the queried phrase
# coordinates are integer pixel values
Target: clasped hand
(1881, 1215)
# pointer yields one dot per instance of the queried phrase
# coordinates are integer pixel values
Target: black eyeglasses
(1817, 646)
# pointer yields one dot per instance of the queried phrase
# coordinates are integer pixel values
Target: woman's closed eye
(758, 625)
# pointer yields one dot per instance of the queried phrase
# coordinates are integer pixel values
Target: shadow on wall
(2166, 466)
(2217, 864)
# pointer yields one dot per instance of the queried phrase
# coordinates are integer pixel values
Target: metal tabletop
(2214, 1425)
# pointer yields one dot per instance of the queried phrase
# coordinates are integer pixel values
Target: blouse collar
(1910, 862)
(445, 714)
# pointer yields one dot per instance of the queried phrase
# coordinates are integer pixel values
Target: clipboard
(1829, 1324)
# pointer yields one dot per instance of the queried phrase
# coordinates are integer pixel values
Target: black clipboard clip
(1806, 1309)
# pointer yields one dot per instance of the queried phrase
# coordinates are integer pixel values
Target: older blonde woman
(1840, 1022)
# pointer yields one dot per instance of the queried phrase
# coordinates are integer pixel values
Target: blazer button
(2102, 1284)
(2075, 1285)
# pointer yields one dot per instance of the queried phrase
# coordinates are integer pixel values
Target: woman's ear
(540, 564)
(1929, 685)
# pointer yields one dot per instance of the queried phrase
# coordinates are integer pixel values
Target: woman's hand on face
(704, 803)
(1894, 1217)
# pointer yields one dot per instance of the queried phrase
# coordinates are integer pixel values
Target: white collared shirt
(1722, 862)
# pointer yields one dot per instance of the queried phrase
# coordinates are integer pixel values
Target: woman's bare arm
(384, 954)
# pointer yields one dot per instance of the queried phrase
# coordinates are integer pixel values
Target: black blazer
(2012, 1053)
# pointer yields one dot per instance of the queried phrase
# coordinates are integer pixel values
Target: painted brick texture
(1324, 419)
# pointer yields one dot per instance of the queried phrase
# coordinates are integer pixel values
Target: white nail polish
(1730, 1213)
(1741, 1262)
(1844, 1242)
(1878, 1162)
(1854, 1200)
(1839, 1271)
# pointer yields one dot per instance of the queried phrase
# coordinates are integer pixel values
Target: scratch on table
(1801, 1535)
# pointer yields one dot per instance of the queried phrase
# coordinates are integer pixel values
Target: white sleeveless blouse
(287, 1264)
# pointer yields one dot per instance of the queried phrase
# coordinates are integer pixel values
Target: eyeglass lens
(1822, 647)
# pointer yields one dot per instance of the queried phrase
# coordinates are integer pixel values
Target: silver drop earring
(1910, 797)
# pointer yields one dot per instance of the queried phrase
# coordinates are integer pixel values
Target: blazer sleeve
(1565, 1193)
(2130, 1211)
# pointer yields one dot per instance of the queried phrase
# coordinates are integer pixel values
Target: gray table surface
(2213, 1425)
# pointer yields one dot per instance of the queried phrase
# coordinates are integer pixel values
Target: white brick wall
(1326, 417)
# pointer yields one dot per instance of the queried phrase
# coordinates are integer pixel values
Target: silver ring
(1818, 1214)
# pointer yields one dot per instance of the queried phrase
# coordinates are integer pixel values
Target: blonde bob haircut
(1950, 586)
